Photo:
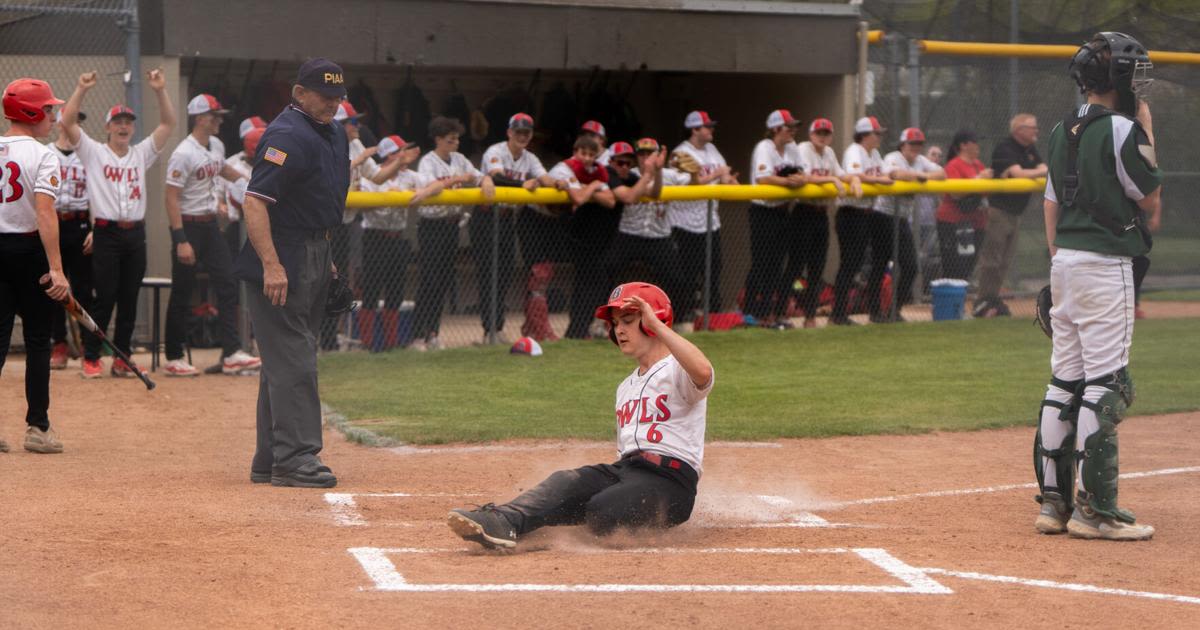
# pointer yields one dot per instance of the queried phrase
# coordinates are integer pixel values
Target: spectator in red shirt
(961, 219)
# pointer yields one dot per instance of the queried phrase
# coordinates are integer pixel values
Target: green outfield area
(770, 384)
(1172, 255)
(1180, 295)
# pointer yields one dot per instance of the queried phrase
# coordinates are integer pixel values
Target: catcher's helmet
(24, 100)
(654, 296)
(1112, 61)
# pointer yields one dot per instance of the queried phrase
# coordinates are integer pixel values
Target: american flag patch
(275, 156)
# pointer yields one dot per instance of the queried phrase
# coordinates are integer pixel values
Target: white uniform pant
(1092, 320)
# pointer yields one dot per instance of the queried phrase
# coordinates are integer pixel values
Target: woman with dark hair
(961, 219)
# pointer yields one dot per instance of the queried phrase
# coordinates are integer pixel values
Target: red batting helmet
(654, 296)
(25, 98)
(250, 142)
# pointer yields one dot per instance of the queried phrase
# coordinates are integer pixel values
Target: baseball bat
(71, 305)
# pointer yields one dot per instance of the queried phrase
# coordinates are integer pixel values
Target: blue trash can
(949, 298)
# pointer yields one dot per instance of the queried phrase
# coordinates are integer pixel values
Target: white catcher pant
(1092, 320)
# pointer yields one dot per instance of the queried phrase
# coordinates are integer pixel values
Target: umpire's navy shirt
(302, 171)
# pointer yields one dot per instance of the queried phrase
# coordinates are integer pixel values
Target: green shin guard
(1100, 465)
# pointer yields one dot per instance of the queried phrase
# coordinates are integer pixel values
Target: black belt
(199, 218)
(665, 461)
(124, 225)
(77, 215)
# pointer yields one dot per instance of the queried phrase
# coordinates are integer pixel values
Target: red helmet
(654, 296)
(250, 142)
(25, 98)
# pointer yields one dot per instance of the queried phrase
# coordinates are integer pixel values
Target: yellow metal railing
(1026, 51)
(549, 196)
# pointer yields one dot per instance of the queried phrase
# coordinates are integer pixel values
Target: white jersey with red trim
(858, 161)
(498, 158)
(437, 168)
(662, 411)
(649, 219)
(195, 170)
(228, 190)
(117, 184)
(768, 160)
(72, 190)
(692, 216)
(27, 168)
(822, 163)
(393, 218)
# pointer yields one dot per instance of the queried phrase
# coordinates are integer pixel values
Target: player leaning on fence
(1103, 178)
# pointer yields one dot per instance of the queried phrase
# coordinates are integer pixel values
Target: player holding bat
(29, 175)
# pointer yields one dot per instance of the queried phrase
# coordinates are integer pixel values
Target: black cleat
(485, 526)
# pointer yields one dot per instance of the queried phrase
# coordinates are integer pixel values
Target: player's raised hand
(87, 80)
(156, 80)
(650, 321)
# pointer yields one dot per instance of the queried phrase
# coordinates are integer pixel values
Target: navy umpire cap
(324, 76)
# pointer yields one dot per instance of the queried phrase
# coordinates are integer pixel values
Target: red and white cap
(250, 142)
(821, 124)
(119, 110)
(205, 104)
(392, 144)
(345, 111)
(781, 117)
(647, 144)
(527, 346)
(867, 124)
(912, 134)
(253, 122)
(621, 148)
(698, 119)
(520, 120)
(594, 126)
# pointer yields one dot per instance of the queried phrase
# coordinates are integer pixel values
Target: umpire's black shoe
(260, 477)
(320, 477)
(485, 526)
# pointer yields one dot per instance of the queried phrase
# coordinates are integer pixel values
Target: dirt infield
(149, 520)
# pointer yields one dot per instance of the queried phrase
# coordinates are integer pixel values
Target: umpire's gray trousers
(289, 407)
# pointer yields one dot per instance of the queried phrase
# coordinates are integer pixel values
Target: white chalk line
(345, 510)
(405, 449)
(833, 505)
(1066, 586)
(382, 571)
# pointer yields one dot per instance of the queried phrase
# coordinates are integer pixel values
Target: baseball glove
(685, 162)
(1044, 302)
(340, 298)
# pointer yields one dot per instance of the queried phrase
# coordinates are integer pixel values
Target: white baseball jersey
(72, 190)
(195, 169)
(394, 218)
(27, 168)
(605, 157)
(435, 167)
(819, 164)
(525, 167)
(856, 160)
(692, 216)
(117, 186)
(358, 174)
(233, 201)
(649, 219)
(767, 160)
(896, 161)
(662, 411)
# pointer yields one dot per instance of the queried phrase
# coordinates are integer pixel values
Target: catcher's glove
(340, 298)
(685, 162)
(1044, 302)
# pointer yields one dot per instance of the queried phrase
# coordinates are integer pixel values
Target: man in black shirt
(1015, 156)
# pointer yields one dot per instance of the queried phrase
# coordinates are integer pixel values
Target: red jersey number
(16, 191)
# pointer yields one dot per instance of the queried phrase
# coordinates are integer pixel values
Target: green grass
(770, 384)
(1171, 256)
(1181, 295)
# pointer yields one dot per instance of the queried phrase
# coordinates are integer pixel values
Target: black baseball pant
(22, 264)
(385, 267)
(691, 261)
(592, 230)
(766, 293)
(213, 252)
(78, 268)
(437, 240)
(118, 266)
(483, 222)
(955, 265)
(808, 235)
(629, 493)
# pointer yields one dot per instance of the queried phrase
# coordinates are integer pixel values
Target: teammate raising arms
(117, 194)
(29, 175)
(661, 409)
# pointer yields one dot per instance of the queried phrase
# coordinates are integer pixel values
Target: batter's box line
(345, 510)
(382, 571)
(1065, 586)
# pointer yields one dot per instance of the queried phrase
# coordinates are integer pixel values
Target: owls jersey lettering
(436, 168)
(650, 220)
(662, 411)
(72, 189)
(27, 168)
(117, 184)
(195, 170)
(767, 160)
(858, 161)
(692, 216)
(498, 159)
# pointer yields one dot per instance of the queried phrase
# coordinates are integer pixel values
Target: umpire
(295, 197)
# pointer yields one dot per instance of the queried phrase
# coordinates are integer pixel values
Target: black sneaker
(485, 526)
(260, 477)
(842, 321)
(1001, 309)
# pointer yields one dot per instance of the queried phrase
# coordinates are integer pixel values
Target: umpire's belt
(665, 461)
(124, 225)
(300, 234)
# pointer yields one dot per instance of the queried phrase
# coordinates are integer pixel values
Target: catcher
(1094, 227)
(660, 417)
